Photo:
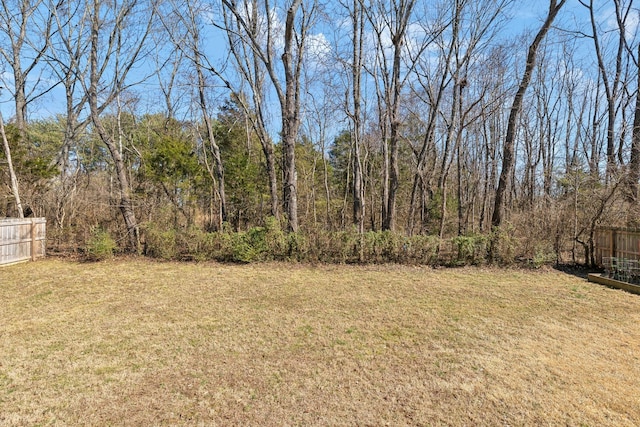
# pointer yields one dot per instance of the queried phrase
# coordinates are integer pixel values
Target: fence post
(33, 239)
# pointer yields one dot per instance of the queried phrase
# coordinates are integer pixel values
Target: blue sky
(527, 15)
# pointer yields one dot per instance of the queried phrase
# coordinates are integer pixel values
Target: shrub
(543, 255)
(219, 246)
(275, 240)
(100, 245)
(191, 244)
(504, 245)
(297, 247)
(382, 246)
(160, 243)
(422, 249)
(271, 243)
(242, 249)
(471, 249)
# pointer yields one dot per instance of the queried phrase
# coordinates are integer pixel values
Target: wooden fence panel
(603, 244)
(616, 242)
(22, 239)
(627, 245)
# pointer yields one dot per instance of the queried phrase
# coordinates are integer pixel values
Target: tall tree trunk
(20, 100)
(508, 158)
(385, 174)
(218, 167)
(250, 65)
(270, 164)
(12, 174)
(291, 118)
(126, 203)
(402, 10)
(356, 71)
(261, 43)
(456, 107)
(611, 85)
(634, 163)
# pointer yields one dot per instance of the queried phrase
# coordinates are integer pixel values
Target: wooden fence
(22, 239)
(616, 242)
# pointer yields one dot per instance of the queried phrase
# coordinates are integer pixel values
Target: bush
(191, 245)
(271, 243)
(242, 249)
(160, 244)
(297, 247)
(504, 245)
(275, 240)
(471, 250)
(543, 255)
(422, 249)
(100, 245)
(383, 246)
(266, 243)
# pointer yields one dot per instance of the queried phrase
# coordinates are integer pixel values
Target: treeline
(346, 131)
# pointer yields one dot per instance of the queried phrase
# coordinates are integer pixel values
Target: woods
(448, 130)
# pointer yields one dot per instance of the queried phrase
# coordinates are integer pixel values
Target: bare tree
(356, 12)
(252, 71)
(169, 57)
(217, 171)
(67, 61)
(297, 21)
(113, 53)
(430, 87)
(185, 33)
(508, 157)
(290, 106)
(634, 162)
(390, 23)
(318, 118)
(12, 174)
(26, 26)
(543, 123)
(612, 84)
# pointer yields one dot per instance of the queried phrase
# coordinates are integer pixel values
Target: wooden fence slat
(33, 239)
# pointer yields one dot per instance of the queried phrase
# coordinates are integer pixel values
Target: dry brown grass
(132, 342)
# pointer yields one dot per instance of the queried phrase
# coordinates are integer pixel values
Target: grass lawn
(140, 343)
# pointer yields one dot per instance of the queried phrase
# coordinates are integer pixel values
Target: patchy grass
(133, 342)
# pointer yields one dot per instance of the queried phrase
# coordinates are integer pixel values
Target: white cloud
(318, 47)
(610, 23)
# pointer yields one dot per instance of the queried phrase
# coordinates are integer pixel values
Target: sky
(527, 15)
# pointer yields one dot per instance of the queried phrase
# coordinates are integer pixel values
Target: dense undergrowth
(271, 243)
